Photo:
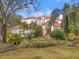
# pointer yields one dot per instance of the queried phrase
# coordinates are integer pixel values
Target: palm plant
(66, 20)
(70, 20)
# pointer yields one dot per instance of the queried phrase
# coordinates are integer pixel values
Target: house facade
(40, 20)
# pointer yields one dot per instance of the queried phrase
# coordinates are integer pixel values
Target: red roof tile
(57, 24)
(17, 26)
(38, 17)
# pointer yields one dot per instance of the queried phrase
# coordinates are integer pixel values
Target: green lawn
(42, 53)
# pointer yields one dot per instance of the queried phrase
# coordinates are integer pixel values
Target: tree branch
(12, 11)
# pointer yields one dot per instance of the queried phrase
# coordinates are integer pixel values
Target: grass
(42, 53)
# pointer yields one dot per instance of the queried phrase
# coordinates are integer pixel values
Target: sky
(46, 7)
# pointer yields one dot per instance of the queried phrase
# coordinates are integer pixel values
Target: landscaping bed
(39, 43)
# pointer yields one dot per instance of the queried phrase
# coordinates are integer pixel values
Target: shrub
(71, 36)
(13, 39)
(30, 35)
(38, 30)
(58, 34)
(25, 43)
(41, 43)
(73, 29)
(37, 43)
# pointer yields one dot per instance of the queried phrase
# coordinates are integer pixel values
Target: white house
(40, 20)
(28, 20)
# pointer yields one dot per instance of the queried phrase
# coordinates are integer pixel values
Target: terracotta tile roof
(38, 17)
(57, 24)
(17, 26)
(46, 17)
(28, 18)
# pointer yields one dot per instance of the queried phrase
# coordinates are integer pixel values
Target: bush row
(47, 43)
(58, 34)
(42, 43)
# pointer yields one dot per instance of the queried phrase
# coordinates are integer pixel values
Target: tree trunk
(4, 33)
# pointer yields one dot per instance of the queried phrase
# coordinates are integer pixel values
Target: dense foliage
(41, 43)
(58, 34)
(13, 39)
(71, 36)
(38, 30)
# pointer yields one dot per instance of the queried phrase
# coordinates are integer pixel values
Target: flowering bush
(13, 39)
(71, 36)
(73, 29)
